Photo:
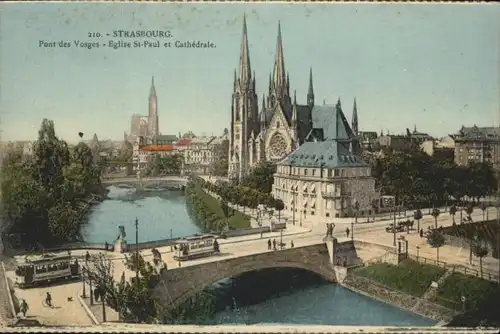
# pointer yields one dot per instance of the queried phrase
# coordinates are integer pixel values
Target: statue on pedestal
(122, 234)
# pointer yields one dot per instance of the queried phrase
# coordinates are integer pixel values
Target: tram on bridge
(45, 269)
(196, 247)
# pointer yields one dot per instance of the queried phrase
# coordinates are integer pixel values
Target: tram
(46, 268)
(196, 247)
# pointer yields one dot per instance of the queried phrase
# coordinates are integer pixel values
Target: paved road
(242, 246)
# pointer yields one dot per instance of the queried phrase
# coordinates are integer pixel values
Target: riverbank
(208, 212)
(433, 292)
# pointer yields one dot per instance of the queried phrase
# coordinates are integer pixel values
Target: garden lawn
(409, 276)
(237, 221)
(474, 289)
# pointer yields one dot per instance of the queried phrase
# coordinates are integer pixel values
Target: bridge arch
(178, 285)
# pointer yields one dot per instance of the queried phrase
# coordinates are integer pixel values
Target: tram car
(196, 247)
(45, 269)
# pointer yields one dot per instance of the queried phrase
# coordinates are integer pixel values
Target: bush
(409, 276)
(474, 289)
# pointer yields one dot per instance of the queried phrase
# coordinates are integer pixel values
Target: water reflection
(158, 211)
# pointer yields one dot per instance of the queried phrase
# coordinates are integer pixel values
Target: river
(297, 298)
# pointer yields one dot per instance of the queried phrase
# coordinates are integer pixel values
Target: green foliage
(195, 310)
(409, 276)
(474, 289)
(417, 215)
(261, 178)
(211, 214)
(164, 165)
(416, 178)
(42, 194)
(435, 238)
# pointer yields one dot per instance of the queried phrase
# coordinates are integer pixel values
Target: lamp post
(281, 238)
(84, 294)
(137, 251)
(294, 199)
(171, 237)
(394, 227)
(418, 250)
(90, 292)
(356, 208)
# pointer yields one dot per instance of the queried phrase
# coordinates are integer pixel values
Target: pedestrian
(291, 244)
(96, 294)
(274, 244)
(421, 233)
(87, 256)
(106, 245)
(269, 244)
(24, 307)
(261, 234)
(347, 231)
(48, 299)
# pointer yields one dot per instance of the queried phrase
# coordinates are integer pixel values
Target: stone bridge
(148, 182)
(180, 284)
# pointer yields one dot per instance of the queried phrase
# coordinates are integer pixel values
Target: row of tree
(205, 215)
(45, 195)
(416, 179)
(242, 195)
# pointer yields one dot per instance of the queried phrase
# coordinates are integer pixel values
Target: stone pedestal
(331, 245)
(120, 246)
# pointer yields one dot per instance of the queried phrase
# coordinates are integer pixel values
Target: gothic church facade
(281, 124)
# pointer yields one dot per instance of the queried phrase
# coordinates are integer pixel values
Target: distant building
(395, 142)
(325, 178)
(368, 139)
(146, 126)
(443, 148)
(201, 153)
(477, 144)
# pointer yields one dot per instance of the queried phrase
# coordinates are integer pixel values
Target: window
(329, 173)
(328, 214)
(313, 172)
(337, 172)
(278, 124)
(305, 171)
(312, 213)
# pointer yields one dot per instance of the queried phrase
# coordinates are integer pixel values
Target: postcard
(271, 167)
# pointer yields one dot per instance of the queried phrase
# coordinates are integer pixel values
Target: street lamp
(394, 227)
(356, 208)
(418, 250)
(294, 199)
(137, 250)
(281, 238)
(84, 294)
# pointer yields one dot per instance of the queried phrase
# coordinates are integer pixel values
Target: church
(281, 125)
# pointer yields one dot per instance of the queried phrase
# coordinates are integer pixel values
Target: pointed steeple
(263, 102)
(355, 119)
(338, 103)
(294, 108)
(279, 64)
(310, 91)
(415, 128)
(287, 84)
(245, 69)
(235, 81)
(294, 97)
(253, 81)
(152, 93)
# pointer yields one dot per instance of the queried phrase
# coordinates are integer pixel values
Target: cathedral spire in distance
(245, 69)
(310, 91)
(355, 119)
(279, 64)
(153, 89)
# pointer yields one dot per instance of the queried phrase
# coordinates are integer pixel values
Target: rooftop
(157, 148)
(327, 154)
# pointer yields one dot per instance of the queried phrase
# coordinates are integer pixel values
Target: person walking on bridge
(24, 307)
(269, 244)
(274, 244)
(347, 231)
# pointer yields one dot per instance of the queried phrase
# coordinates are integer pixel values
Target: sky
(436, 66)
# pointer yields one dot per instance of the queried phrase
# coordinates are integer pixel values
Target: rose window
(278, 146)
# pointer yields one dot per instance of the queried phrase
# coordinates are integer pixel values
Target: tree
(453, 211)
(484, 207)
(261, 177)
(417, 215)
(279, 205)
(435, 213)
(436, 240)
(469, 210)
(479, 251)
(41, 195)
